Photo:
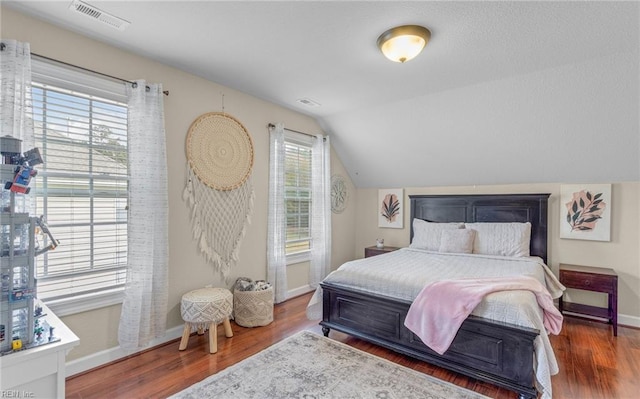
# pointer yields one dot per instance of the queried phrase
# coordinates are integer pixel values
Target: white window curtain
(320, 210)
(144, 310)
(15, 92)
(276, 235)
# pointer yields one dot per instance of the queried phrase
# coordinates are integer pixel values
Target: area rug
(311, 366)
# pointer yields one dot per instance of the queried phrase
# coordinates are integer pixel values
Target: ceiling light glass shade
(403, 43)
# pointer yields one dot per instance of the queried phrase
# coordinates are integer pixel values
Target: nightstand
(597, 279)
(374, 250)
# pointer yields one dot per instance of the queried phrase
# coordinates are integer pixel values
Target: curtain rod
(134, 84)
(271, 126)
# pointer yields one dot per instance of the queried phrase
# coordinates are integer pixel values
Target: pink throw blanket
(440, 308)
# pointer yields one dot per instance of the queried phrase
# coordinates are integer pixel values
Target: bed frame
(495, 352)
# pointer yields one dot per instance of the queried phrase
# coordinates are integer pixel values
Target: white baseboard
(631, 321)
(109, 355)
(98, 359)
(299, 291)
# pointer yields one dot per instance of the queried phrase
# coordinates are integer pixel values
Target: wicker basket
(253, 308)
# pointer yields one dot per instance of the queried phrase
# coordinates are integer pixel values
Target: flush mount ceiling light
(403, 43)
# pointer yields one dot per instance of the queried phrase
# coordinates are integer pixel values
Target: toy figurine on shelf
(44, 229)
(38, 330)
(24, 171)
(21, 181)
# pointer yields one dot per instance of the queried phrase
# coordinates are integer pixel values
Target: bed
(510, 355)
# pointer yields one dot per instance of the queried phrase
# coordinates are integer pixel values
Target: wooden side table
(597, 279)
(374, 250)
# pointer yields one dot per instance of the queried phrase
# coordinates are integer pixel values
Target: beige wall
(622, 253)
(190, 96)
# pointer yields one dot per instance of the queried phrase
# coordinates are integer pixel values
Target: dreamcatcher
(219, 190)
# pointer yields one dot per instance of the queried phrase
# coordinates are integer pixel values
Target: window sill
(85, 303)
(298, 258)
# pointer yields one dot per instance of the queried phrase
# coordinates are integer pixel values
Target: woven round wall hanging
(220, 151)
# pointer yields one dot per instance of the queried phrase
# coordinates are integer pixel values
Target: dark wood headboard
(487, 208)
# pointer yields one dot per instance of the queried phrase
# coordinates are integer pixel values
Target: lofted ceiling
(386, 120)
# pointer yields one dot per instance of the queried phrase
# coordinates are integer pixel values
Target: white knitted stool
(206, 307)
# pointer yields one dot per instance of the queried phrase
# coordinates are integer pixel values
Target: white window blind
(298, 193)
(80, 123)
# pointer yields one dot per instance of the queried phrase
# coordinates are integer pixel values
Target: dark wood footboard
(495, 352)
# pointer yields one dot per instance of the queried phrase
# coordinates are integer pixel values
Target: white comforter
(403, 273)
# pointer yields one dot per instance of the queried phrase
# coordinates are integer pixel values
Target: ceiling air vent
(308, 102)
(99, 15)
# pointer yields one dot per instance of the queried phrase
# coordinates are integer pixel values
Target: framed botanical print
(585, 211)
(390, 208)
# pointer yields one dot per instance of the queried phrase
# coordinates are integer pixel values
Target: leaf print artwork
(390, 207)
(584, 210)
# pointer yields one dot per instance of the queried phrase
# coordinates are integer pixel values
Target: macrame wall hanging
(219, 190)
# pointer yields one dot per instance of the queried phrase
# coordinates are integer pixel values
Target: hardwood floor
(593, 363)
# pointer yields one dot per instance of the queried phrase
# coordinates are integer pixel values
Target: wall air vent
(98, 15)
(308, 102)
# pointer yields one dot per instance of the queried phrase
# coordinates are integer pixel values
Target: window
(80, 127)
(297, 197)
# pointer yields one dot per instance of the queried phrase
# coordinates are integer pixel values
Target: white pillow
(504, 239)
(459, 241)
(427, 235)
